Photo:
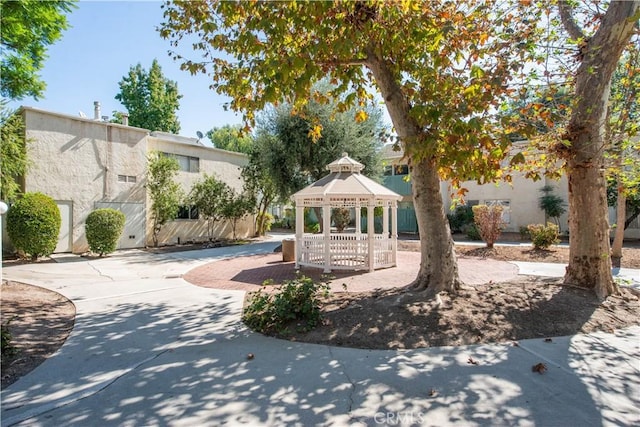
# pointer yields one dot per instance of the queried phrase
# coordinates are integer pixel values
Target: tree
(441, 68)
(259, 184)
(13, 154)
(230, 138)
(29, 27)
(489, 221)
(589, 253)
(623, 156)
(552, 204)
(236, 207)
(164, 192)
(33, 224)
(150, 98)
(210, 196)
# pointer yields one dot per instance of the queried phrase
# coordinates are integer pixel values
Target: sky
(105, 40)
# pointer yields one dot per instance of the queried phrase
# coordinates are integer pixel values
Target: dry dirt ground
(525, 308)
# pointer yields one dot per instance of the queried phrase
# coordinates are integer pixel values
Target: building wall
(76, 161)
(224, 165)
(86, 164)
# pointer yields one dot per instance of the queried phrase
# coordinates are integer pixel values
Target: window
(127, 178)
(401, 170)
(188, 212)
(186, 163)
(388, 170)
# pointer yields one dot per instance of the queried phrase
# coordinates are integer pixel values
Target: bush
(472, 232)
(460, 219)
(488, 219)
(341, 218)
(104, 228)
(524, 233)
(296, 300)
(313, 227)
(543, 236)
(33, 224)
(264, 221)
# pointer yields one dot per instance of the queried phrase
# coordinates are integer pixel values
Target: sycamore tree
(164, 192)
(623, 155)
(29, 27)
(441, 68)
(599, 49)
(150, 98)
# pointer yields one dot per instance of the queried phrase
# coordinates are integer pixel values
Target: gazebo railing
(348, 251)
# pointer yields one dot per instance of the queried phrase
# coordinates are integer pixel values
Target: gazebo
(345, 187)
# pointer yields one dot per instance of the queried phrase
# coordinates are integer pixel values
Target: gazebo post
(299, 232)
(358, 220)
(385, 220)
(371, 244)
(394, 231)
(326, 227)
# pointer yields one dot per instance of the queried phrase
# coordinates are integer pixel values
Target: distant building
(519, 198)
(86, 164)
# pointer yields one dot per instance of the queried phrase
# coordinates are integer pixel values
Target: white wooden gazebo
(345, 187)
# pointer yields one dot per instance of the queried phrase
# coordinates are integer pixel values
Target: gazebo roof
(346, 181)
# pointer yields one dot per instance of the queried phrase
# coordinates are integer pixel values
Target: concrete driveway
(149, 349)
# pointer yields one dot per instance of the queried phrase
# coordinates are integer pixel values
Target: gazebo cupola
(346, 187)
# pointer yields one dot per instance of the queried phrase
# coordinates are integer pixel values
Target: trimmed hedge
(104, 228)
(33, 224)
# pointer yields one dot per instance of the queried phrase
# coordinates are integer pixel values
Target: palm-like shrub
(33, 224)
(104, 228)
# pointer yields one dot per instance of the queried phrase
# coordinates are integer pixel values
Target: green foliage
(150, 98)
(33, 224)
(265, 219)
(341, 218)
(488, 220)
(29, 27)
(473, 232)
(524, 233)
(13, 154)
(210, 196)
(231, 138)
(259, 184)
(103, 229)
(543, 236)
(293, 156)
(460, 219)
(5, 340)
(552, 204)
(164, 192)
(236, 207)
(296, 301)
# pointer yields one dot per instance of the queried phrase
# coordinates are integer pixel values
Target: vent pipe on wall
(96, 110)
(125, 119)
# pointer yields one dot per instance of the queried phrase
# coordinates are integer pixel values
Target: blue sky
(106, 38)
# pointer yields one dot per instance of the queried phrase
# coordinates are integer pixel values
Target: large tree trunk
(438, 265)
(589, 253)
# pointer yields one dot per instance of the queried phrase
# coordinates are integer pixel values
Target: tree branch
(567, 20)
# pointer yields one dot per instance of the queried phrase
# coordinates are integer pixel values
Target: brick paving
(247, 273)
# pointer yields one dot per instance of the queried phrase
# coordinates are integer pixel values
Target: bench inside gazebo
(346, 187)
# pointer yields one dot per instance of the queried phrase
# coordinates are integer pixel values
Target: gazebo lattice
(345, 187)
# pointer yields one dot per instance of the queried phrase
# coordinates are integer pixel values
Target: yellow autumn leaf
(361, 116)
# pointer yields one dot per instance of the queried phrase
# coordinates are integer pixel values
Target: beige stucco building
(85, 164)
(519, 198)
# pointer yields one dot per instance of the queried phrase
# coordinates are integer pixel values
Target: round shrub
(104, 228)
(33, 224)
(543, 236)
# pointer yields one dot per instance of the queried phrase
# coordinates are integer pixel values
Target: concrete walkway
(150, 349)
